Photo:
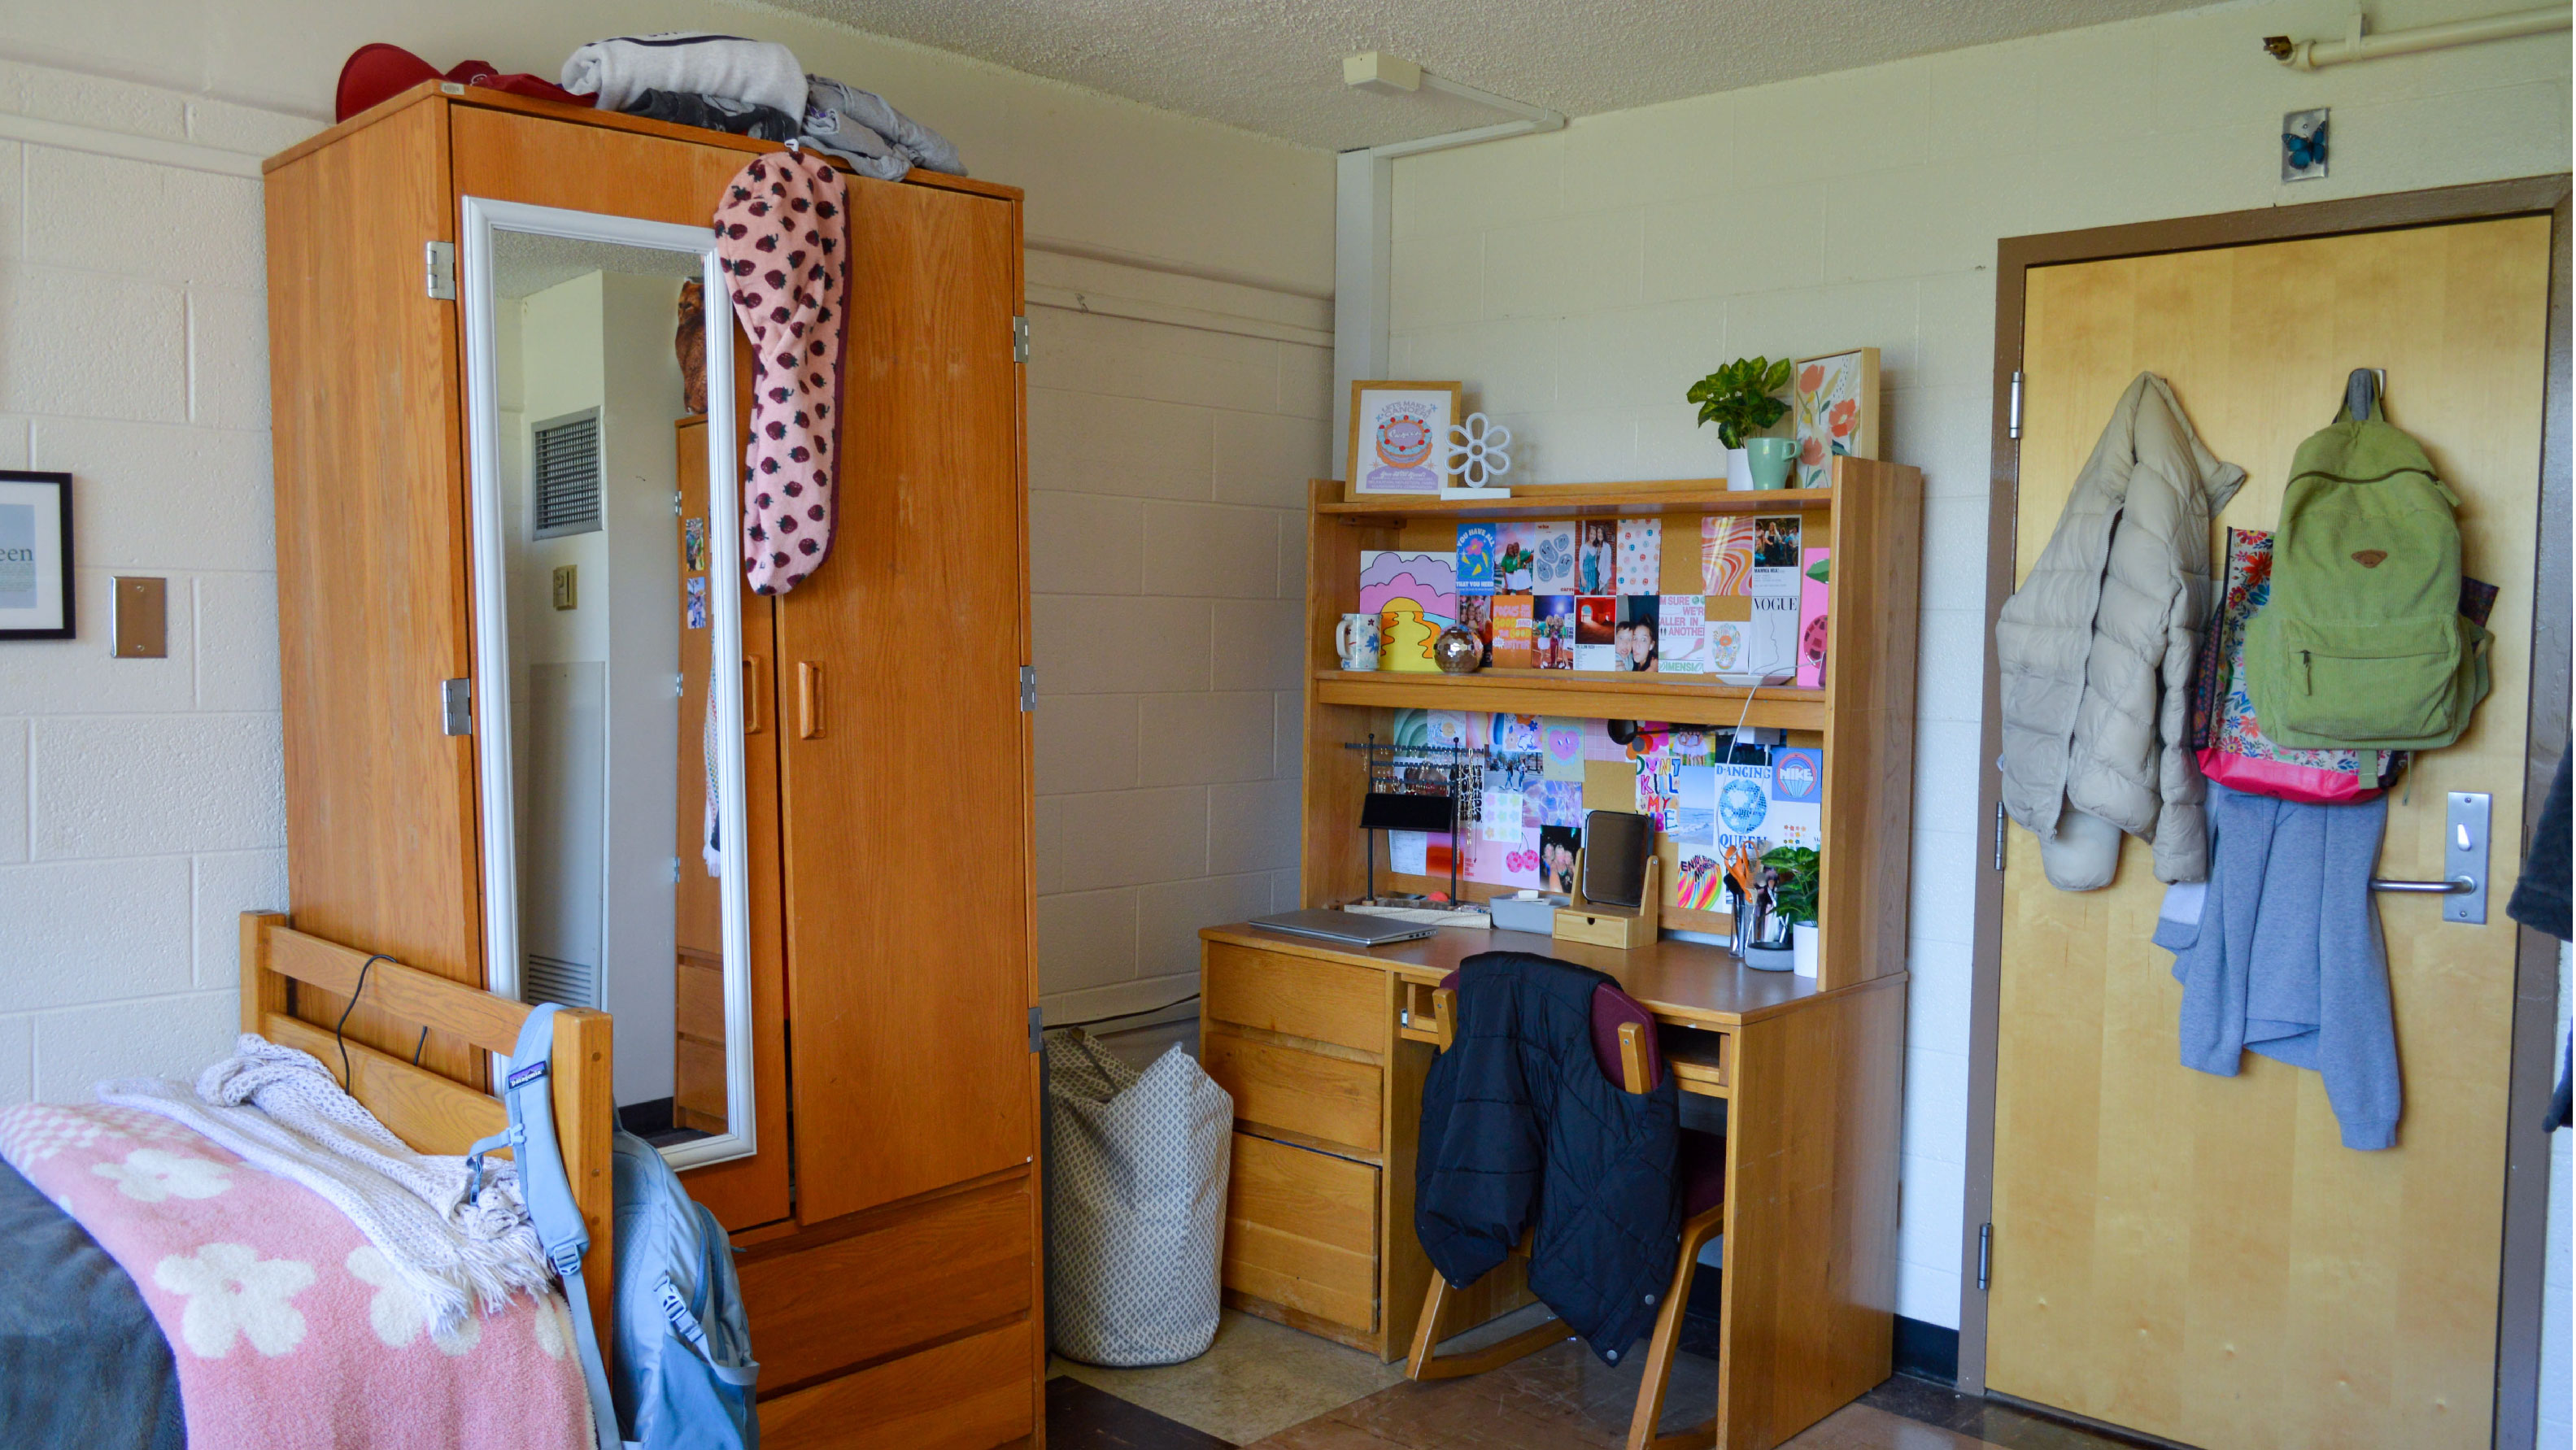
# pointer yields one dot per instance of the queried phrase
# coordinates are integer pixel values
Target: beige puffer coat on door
(2096, 651)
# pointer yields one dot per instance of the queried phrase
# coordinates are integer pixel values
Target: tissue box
(1536, 914)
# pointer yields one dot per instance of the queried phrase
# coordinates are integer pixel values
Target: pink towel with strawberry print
(782, 234)
(290, 1330)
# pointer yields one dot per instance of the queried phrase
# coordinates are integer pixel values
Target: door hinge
(1037, 1029)
(1985, 1256)
(1019, 339)
(2012, 420)
(1999, 835)
(1028, 687)
(676, 511)
(675, 870)
(456, 707)
(440, 260)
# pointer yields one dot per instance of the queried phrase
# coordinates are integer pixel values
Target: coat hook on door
(2363, 391)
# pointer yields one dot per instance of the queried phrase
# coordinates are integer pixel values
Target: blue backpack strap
(547, 1191)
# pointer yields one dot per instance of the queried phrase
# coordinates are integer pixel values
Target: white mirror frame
(484, 502)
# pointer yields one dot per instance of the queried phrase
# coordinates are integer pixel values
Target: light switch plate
(139, 618)
(568, 587)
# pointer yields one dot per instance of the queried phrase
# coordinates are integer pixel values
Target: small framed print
(1837, 410)
(1400, 436)
(35, 555)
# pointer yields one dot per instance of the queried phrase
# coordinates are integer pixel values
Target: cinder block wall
(141, 801)
(1173, 424)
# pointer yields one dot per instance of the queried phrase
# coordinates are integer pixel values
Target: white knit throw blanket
(284, 1113)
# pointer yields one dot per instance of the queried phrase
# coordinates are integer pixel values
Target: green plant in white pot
(1796, 872)
(1741, 399)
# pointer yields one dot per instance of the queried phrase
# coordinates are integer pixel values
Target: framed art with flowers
(1398, 436)
(1837, 412)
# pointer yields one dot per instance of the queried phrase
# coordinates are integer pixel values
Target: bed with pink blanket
(163, 1288)
(287, 1328)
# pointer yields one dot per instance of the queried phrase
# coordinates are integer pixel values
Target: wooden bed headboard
(430, 1111)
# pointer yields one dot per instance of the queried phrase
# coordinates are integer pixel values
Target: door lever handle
(2464, 858)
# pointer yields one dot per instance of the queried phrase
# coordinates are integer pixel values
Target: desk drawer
(1301, 1231)
(1304, 1092)
(1296, 996)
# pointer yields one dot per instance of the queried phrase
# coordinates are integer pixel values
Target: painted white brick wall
(1580, 281)
(141, 801)
(1169, 452)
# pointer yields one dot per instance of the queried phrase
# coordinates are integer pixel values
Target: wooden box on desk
(1623, 927)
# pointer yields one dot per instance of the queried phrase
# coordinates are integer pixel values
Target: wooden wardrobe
(889, 1223)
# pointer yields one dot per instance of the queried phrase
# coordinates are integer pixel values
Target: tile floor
(1271, 1388)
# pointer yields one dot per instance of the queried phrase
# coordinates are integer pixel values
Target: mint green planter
(1770, 459)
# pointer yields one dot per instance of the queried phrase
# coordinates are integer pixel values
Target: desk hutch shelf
(1862, 719)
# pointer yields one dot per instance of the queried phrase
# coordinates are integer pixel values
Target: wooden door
(904, 750)
(382, 837)
(2194, 1256)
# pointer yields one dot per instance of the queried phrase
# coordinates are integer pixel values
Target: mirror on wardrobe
(608, 644)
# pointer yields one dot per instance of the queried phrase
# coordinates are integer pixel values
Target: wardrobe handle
(750, 695)
(809, 700)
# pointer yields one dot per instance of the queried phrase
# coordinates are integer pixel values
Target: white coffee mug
(1355, 640)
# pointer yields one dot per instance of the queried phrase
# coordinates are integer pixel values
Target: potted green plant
(1795, 874)
(1740, 399)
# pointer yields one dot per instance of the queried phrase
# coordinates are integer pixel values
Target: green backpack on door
(2361, 645)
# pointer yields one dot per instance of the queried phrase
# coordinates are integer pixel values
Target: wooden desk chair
(1702, 1171)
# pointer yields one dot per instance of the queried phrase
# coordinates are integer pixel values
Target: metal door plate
(2464, 854)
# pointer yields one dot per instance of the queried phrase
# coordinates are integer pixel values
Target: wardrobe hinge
(1985, 1256)
(2012, 420)
(1999, 835)
(456, 707)
(1028, 687)
(1019, 339)
(1037, 1029)
(440, 260)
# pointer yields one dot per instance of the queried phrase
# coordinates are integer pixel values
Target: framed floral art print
(1837, 412)
(35, 555)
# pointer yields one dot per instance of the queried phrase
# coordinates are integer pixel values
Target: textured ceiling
(1274, 66)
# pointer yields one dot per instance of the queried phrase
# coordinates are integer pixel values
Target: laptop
(1356, 928)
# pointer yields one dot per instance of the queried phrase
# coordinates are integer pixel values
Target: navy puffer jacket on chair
(1519, 1123)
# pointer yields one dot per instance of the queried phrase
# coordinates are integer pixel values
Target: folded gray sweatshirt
(875, 137)
(2286, 957)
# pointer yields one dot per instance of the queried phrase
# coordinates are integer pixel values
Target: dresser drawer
(915, 1274)
(1304, 1092)
(971, 1394)
(1295, 996)
(1301, 1231)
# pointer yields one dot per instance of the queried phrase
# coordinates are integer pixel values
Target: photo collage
(1722, 798)
(1589, 595)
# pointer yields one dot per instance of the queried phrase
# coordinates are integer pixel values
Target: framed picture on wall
(35, 555)
(1399, 436)
(1837, 412)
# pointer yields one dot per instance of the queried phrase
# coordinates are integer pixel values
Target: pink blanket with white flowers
(289, 1328)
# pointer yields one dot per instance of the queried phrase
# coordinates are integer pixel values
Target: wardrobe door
(904, 750)
(380, 796)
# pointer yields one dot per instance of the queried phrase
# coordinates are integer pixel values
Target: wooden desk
(1324, 1048)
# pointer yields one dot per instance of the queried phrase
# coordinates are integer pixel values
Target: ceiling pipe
(2357, 44)
(1364, 220)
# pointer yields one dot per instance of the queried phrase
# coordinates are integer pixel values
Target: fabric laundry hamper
(1135, 1182)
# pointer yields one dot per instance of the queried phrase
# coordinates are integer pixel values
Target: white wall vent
(567, 474)
(552, 979)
